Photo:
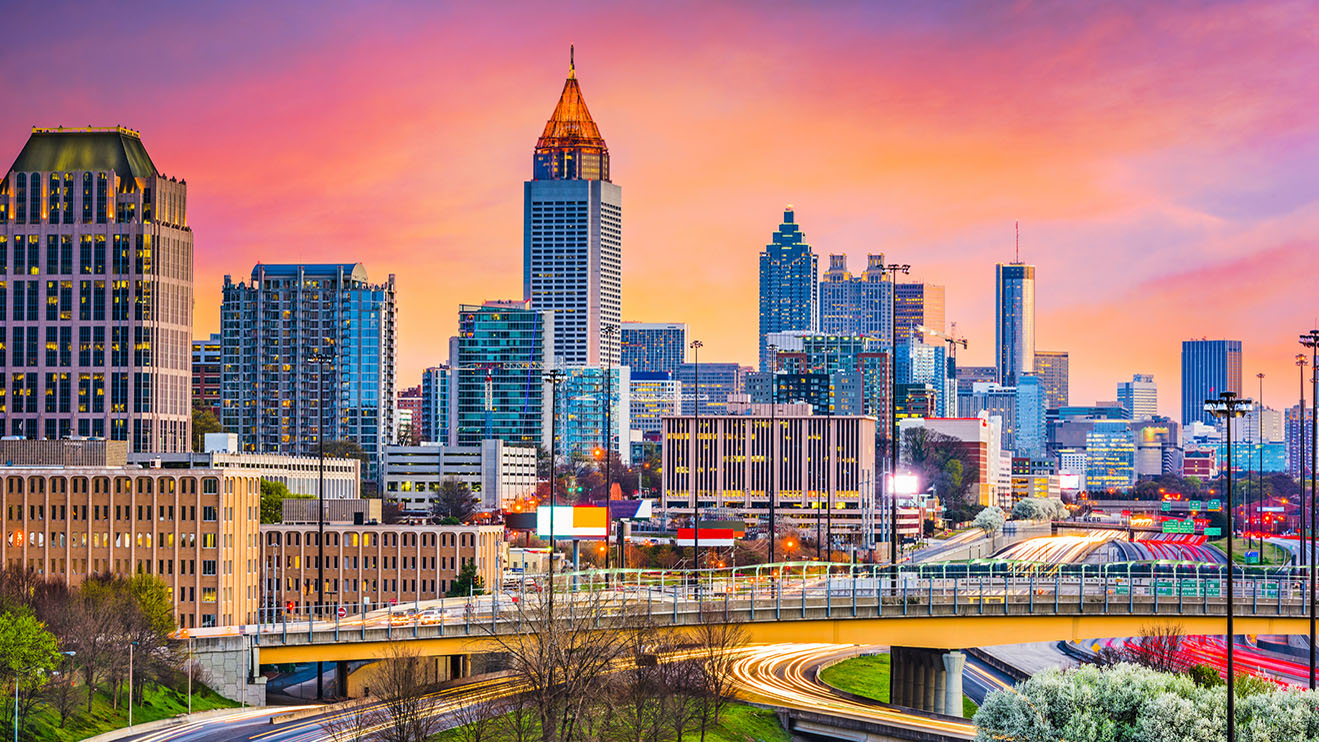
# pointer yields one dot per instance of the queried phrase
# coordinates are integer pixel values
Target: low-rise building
(194, 528)
(372, 566)
(497, 472)
(978, 440)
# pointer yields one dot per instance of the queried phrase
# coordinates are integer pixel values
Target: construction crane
(950, 338)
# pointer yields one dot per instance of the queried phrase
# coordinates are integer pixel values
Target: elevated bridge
(938, 606)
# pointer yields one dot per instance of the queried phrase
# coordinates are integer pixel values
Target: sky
(1162, 158)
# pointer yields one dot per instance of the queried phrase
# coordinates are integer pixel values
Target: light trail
(776, 674)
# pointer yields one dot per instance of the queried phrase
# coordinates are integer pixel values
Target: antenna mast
(1017, 227)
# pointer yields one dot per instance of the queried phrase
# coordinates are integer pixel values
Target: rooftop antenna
(1017, 227)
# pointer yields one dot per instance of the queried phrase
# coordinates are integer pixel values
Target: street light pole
(696, 458)
(773, 443)
(1227, 406)
(130, 689)
(609, 331)
(892, 270)
(554, 376)
(320, 360)
(1311, 340)
(1301, 362)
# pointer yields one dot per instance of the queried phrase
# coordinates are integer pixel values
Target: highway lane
(784, 675)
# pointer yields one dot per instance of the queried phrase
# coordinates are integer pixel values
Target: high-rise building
(1209, 368)
(436, 391)
(207, 368)
(1031, 435)
(1051, 367)
(654, 396)
(1139, 397)
(499, 360)
(993, 400)
(275, 326)
(410, 402)
(654, 347)
(789, 289)
(1110, 456)
(1014, 321)
(718, 381)
(572, 234)
(919, 305)
(99, 255)
(920, 363)
(969, 376)
(856, 305)
(1300, 432)
(592, 416)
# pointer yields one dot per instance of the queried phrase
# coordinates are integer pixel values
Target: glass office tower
(1209, 367)
(1014, 321)
(789, 288)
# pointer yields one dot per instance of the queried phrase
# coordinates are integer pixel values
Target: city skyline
(1142, 221)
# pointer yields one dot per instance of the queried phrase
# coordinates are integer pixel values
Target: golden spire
(572, 67)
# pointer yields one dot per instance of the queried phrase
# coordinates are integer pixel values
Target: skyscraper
(919, 305)
(586, 406)
(789, 290)
(435, 395)
(654, 347)
(1209, 368)
(572, 234)
(718, 382)
(856, 305)
(499, 360)
(1030, 434)
(100, 286)
(1014, 320)
(1051, 367)
(1139, 397)
(273, 326)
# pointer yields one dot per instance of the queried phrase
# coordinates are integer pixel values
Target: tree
(455, 500)
(28, 653)
(467, 583)
(273, 495)
(203, 422)
(717, 642)
(405, 701)
(1039, 508)
(990, 520)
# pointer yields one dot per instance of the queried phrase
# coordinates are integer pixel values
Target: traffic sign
(1252, 557)
(1195, 504)
(1215, 505)
(1213, 531)
(343, 612)
(1166, 507)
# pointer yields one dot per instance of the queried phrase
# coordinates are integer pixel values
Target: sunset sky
(1162, 158)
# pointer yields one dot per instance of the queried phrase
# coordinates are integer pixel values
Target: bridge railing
(813, 590)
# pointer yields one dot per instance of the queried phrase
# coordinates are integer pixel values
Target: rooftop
(96, 149)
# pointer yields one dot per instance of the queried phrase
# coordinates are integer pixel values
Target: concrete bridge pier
(926, 679)
(228, 665)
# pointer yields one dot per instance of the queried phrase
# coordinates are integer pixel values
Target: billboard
(572, 521)
(713, 533)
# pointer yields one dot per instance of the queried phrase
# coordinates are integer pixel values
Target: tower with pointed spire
(572, 228)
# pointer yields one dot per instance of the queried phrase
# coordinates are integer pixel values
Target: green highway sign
(1213, 531)
(1195, 504)
(1215, 504)
(1167, 507)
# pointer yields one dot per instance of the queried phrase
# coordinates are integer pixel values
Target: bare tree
(717, 643)
(1159, 647)
(353, 721)
(564, 658)
(477, 719)
(407, 709)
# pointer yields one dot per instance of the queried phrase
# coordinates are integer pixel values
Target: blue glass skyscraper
(789, 284)
(654, 347)
(1209, 368)
(1014, 321)
(499, 360)
(273, 325)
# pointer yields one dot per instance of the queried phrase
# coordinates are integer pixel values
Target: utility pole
(773, 443)
(696, 459)
(320, 360)
(892, 270)
(1311, 340)
(554, 376)
(609, 331)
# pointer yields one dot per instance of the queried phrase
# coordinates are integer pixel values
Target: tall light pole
(609, 331)
(1311, 340)
(1301, 456)
(130, 690)
(1227, 406)
(892, 270)
(554, 376)
(696, 456)
(321, 360)
(773, 443)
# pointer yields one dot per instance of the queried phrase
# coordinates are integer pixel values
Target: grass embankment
(1270, 554)
(737, 723)
(868, 676)
(155, 703)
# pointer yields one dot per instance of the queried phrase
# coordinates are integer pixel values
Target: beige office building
(196, 529)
